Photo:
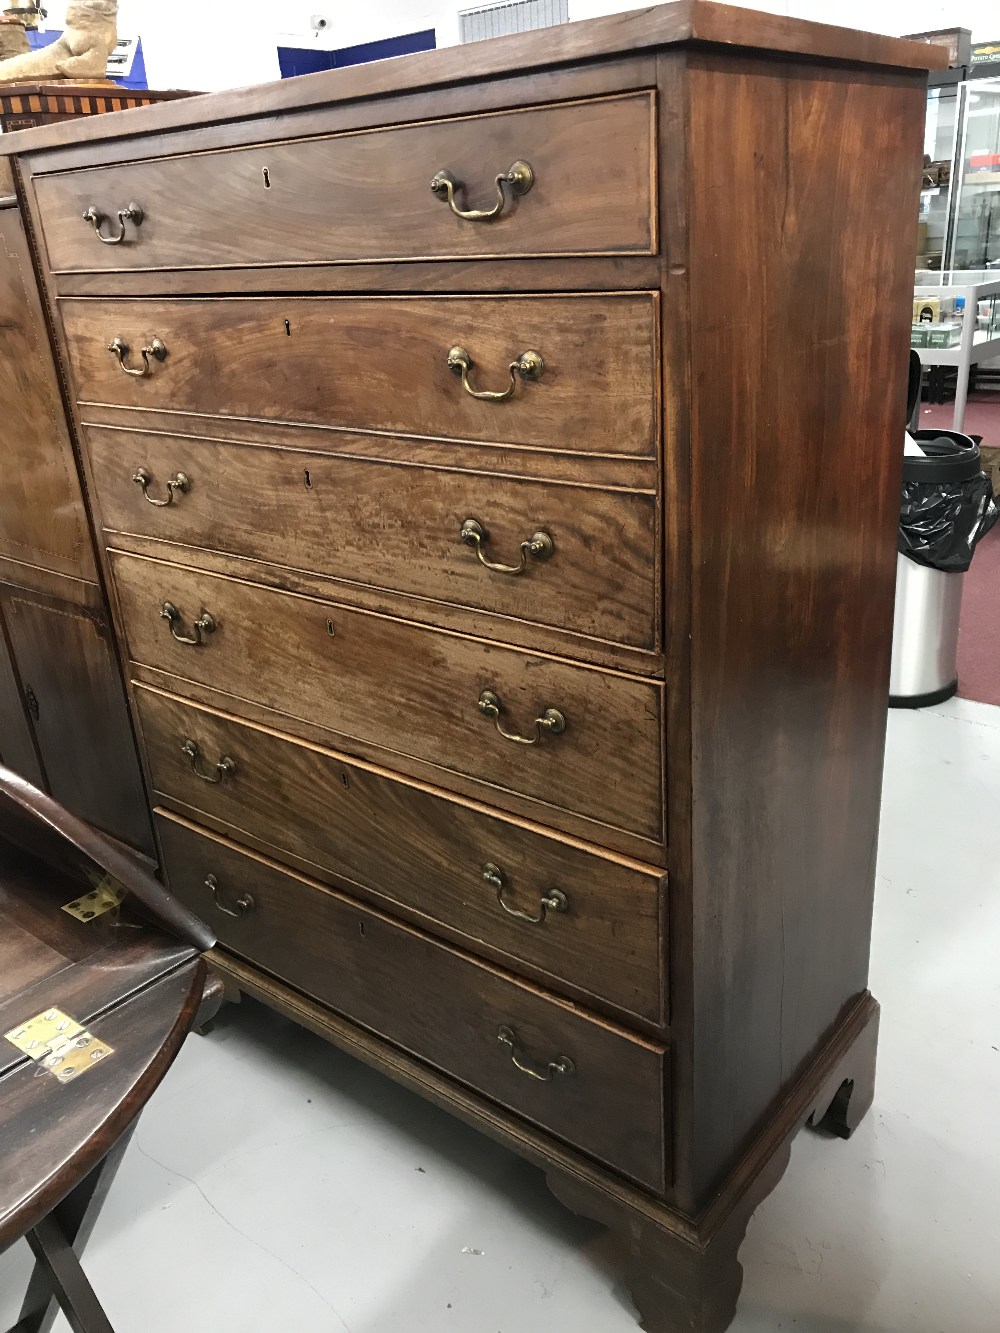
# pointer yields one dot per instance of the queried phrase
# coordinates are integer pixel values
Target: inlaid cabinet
(496, 456)
(64, 722)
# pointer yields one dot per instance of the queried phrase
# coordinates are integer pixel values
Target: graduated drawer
(593, 567)
(600, 1088)
(596, 920)
(368, 196)
(412, 690)
(382, 363)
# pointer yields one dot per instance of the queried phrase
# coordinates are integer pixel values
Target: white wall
(893, 17)
(212, 44)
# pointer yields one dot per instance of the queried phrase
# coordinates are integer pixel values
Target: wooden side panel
(65, 654)
(802, 212)
(17, 741)
(42, 518)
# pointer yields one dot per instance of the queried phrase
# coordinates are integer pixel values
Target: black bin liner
(948, 502)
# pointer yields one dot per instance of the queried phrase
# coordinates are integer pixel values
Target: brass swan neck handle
(120, 348)
(551, 721)
(518, 177)
(528, 366)
(133, 213)
(539, 546)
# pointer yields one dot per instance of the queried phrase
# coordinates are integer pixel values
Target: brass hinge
(58, 1044)
(108, 895)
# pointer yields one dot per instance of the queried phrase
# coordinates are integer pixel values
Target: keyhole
(345, 779)
(288, 329)
(361, 927)
(267, 179)
(329, 628)
(308, 480)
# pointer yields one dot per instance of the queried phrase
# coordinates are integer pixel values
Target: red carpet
(982, 415)
(979, 632)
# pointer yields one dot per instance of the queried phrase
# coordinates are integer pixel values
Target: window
(511, 16)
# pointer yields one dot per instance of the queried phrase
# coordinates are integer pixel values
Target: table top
(128, 989)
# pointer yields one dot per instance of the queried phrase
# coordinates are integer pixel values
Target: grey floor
(275, 1184)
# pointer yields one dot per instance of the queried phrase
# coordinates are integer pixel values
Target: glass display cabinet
(960, 196)
(956, 324)
(940, 148)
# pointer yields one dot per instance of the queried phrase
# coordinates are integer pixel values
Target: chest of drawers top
(554, 145)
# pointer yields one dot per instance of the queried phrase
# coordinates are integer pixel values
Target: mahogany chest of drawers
(497, 457)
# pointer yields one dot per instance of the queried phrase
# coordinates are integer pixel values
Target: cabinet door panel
(17, 742)
(65, 655)
(42, 518)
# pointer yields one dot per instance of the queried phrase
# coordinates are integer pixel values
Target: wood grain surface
(66, 655)
(398, 527)
(381, 364)
(795, 476)
(42, 518)
(331, 815)
(410, 689)
(354, 959)
(51, 1137)
(367, 196)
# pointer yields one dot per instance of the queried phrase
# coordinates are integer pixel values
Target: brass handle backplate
(205, 624)
(529, 366)
(554, 901)
(243, 904)
(120, 348)
(539, 545)
(178, 482)
(225, 768)
(518, 176)
(97, 219)
(562, 1064)
(551, 720)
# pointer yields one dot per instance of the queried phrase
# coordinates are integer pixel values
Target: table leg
(74, 1220)
(55, 1256)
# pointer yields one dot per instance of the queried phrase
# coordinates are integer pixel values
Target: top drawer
(367, 196)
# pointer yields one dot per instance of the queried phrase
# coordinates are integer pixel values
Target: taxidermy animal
(82, 51)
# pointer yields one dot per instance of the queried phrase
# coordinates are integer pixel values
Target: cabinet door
(17, 740)
(65, 657)
(42, 517)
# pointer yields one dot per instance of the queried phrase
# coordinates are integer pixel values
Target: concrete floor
(276, 1185)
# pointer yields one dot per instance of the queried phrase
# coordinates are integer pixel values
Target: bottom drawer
(593, 1085)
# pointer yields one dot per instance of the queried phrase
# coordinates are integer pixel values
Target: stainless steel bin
(924, 635)
(947, 505)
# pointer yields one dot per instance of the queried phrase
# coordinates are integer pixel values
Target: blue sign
(295, 60)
